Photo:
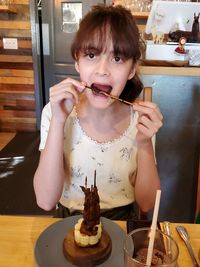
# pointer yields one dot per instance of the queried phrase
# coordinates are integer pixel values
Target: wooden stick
(153, 228)
(86, 182)
(111, 96)
(95, 177)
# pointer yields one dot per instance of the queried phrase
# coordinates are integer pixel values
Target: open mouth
(98, 89)
(104, 91)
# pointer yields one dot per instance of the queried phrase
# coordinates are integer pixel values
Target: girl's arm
(49, 176)
(147, 179)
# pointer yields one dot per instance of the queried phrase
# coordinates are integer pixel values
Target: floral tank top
(114, 162)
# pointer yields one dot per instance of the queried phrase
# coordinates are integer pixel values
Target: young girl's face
(106, 71)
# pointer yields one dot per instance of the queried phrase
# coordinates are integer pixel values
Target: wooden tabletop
(18, 235)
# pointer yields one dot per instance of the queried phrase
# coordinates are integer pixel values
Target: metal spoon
(184, 235)
(167, 230)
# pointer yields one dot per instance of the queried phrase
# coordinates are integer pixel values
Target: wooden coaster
(87, 256)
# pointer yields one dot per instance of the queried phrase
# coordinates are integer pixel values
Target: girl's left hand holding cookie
(149, 120)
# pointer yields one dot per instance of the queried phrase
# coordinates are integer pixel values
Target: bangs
(98, 31)
(96, 38)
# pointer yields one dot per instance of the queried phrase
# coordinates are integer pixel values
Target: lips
(101, 87)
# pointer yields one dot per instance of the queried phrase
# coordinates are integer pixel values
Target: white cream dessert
(84, 240)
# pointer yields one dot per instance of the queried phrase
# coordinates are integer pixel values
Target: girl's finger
(65, 91)
(153, 125)
(79, 86)
(148, 108)
(144, 130)
(62, 96)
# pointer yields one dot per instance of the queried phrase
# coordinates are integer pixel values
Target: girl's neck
(104, 125)
(95, 115)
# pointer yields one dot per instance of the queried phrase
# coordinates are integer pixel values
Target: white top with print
(113, 161)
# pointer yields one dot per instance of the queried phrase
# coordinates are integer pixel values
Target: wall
(177, 143)
(17, 99)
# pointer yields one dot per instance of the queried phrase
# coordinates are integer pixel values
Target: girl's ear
(77, 67)
(132, 72)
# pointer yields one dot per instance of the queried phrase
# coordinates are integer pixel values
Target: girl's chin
(99, 101)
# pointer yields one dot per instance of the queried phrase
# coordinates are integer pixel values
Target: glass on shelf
(141, 5)
(136, 5)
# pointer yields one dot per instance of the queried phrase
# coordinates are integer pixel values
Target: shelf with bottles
(140, 10)
(141, 20)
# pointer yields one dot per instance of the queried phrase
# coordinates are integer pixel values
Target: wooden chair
(147, 94)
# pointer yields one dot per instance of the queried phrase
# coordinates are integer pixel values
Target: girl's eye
(117, 59)
(91, 55)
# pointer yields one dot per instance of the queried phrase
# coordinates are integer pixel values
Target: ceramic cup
(136, 247)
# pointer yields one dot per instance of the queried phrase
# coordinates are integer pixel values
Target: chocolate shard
(91, 213)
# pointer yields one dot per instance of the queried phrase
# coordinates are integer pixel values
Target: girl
(83, 130)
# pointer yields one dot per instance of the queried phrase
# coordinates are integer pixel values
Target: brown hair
(117, 23)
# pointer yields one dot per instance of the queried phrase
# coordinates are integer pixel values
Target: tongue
(101, 87)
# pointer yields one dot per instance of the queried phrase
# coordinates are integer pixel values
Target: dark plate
(49, 245)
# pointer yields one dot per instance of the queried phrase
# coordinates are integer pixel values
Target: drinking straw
(153, 228)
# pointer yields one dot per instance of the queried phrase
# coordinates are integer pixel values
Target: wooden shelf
(172, 71)
(140, 15)
(7, 9)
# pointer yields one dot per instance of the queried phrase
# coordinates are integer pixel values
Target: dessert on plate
(88, 243)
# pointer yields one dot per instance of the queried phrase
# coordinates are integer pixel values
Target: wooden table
(18, 235)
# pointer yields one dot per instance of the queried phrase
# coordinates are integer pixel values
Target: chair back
(147, 94)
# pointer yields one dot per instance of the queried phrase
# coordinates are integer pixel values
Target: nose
(103, 67)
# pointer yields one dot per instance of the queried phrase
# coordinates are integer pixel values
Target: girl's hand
(149, 120)
(63, 96)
